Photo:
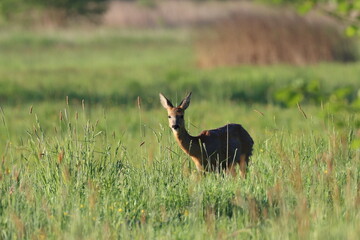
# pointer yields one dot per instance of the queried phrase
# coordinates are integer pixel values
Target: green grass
(109, 169)
(114, 68)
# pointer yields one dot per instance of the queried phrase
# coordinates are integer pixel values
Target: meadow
(86, 152)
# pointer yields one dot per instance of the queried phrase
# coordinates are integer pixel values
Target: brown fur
(213, 150)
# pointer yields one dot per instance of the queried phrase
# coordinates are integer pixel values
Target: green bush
(71, 7)
(11, 9)
(299, 91)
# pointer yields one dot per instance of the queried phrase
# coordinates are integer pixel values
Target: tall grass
(77, 167)
(81, 178)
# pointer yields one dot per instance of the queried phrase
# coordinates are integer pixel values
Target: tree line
(347, 11)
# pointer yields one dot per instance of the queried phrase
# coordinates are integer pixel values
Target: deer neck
(188, 143)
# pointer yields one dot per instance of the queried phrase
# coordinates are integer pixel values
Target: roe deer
(213, 150)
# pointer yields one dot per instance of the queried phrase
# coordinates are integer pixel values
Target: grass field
(80, 159)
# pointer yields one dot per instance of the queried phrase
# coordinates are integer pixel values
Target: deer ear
(186, 102)
(165, 102)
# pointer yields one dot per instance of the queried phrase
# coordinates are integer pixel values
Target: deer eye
(169, 116)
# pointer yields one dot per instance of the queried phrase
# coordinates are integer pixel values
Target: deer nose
(175, 126)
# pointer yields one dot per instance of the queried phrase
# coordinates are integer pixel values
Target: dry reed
(267, 36)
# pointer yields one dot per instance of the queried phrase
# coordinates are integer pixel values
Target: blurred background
(265, 51)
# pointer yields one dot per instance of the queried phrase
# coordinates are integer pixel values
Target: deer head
(175, 114)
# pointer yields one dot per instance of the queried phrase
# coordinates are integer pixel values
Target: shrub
(56, 10)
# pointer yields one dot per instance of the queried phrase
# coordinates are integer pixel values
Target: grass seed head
(60, 156)
(139, 102)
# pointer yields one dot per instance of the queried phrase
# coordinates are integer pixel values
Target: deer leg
(243, 164)
(198, 165)
(232, 170)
